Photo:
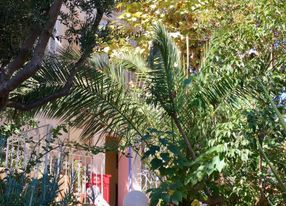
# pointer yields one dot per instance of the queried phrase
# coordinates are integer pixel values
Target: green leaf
(152, 151)
(177, 197)
(187, 81)
(163, 141)
(173, 149)
(156, 163)
(146, 137)
(165, 157)
(218, 163)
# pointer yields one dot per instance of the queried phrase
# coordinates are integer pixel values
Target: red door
(96, 180)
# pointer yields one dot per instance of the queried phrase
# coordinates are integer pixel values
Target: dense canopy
(195, 87)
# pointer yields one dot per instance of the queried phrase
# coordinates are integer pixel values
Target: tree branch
(33, 66)
(61, 93)
(186, 140)
(24, 53)
(69, 83)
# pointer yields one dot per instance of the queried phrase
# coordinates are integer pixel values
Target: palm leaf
(97, 102)
(166, 74)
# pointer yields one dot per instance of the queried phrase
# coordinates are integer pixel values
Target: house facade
(112, 174)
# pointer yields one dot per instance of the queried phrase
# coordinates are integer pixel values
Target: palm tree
(192, 109)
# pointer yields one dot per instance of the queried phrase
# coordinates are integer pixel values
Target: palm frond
(123, 68)
(166, 74)
(47, 81)
(98, 108)
(97, 103)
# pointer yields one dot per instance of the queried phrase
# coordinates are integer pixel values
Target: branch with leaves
(32, 53)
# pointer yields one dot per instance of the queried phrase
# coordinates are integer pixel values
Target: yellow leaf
(196, 203)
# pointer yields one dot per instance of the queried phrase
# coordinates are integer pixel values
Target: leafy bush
(20, 187)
